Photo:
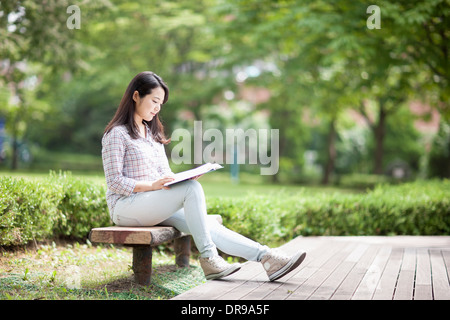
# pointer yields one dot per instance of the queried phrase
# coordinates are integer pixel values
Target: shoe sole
(295, 261)
(224, 273)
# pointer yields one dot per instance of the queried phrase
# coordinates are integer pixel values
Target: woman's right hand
(159, 184)
(143, 186)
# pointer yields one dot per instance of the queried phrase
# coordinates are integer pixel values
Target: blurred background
(359, 95)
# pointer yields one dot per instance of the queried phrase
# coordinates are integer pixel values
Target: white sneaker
(216, 267)
(278, 264)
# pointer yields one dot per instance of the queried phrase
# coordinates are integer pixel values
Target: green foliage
(82, 206)
(318, 59)
(416, 208)
(27, 209)
(59, 205)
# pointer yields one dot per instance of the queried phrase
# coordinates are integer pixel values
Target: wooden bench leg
(142, 264)
(142, 259)
(182, 248)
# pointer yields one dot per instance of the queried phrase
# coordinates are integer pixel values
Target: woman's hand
(159, 184)
(142, 186)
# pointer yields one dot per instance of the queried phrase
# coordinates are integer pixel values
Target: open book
(188, 174)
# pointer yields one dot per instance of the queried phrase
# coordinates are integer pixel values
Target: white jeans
(184, 207)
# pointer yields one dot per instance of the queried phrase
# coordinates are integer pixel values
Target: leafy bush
(27, 209)
(83, 206)
(416, 208)
(39, 209)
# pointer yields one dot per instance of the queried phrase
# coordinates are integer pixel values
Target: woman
(136, 169)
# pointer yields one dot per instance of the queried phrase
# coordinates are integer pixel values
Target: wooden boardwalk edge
(345, 268)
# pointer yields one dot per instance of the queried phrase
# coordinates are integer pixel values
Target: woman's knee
(194, 186)
(193, 183)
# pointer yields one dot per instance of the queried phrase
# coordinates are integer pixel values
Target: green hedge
(62, 205)
(417, 208)
(41, 209)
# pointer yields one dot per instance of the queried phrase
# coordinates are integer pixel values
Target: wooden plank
(138, 235)
(248, 280)
(250, 289)
(403, 267)
(347, 288)
(405, 284)
(441, 287)
(423, 289)
(328, 287)
(217, 289)
(313, 261)
(312, 283)
(134, 235)
(252, 274)
(386, 286)
(232, 287)
(372, 277)
(446, 256)
(264, 289)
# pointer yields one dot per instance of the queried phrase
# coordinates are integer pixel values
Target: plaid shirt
(127, 160)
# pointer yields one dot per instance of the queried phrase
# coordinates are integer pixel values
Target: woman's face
(148, 106)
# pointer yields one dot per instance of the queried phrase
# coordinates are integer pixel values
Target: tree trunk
(15, 132)
(331, 152)
(379, 131)
(15, 153)
(282, 144)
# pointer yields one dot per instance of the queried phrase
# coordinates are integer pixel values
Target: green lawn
(74, 271)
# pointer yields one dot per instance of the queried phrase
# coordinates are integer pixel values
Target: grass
(74, 271)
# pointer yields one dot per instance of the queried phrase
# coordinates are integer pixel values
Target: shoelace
(279, 255)
(217, 262)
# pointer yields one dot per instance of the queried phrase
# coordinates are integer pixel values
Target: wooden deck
(344, 268)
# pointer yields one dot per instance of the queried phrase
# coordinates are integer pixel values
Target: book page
(185, 175)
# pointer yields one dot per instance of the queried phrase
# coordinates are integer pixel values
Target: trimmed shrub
(83, 207)
(27, 209)
(41, 209)
(417, 208)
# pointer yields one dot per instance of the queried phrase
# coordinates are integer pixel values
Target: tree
(33, 35)
(421, 29)
(384, 67)
(172, 38)
(439, 162)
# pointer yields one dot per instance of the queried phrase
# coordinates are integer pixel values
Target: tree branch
(363, 112)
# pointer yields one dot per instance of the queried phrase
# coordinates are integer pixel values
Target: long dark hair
(143, 83)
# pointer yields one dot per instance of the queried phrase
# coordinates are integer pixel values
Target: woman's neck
(141, 127)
